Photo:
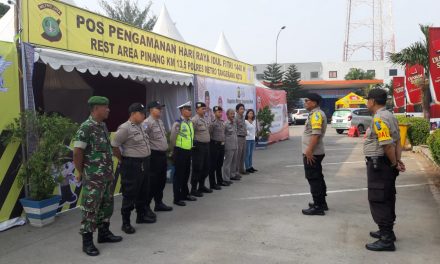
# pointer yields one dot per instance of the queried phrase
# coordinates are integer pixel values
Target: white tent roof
(7, 30)
(82, 63)
(70, 2)
(165, 26)
(259, 84)
(224, 48)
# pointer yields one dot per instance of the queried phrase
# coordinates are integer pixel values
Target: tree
(3, 9)
(128, 11)
(273, 75)
(359, 74)
(292, 86)
(417, 53)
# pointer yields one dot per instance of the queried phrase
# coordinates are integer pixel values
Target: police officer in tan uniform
(314, 153)
(155, 130)
(217, 149)
(383, 155)
(132, 148)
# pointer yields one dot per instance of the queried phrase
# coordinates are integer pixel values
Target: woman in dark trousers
(251, 129)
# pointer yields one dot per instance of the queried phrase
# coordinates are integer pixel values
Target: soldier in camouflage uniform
(92, 156)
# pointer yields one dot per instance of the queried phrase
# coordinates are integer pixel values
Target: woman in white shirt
(250, 139)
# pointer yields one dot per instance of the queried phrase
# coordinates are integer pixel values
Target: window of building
(333, 74)
(372, 72)
(314, 75)
(393, 72)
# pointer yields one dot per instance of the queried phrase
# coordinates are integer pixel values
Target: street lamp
(276, 44)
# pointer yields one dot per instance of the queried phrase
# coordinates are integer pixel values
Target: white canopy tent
(7, 29)
(166, 27)
(224, 48)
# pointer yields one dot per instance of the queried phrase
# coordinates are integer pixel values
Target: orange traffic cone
(353, 132)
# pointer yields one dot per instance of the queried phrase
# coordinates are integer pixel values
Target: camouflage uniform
(97, 193)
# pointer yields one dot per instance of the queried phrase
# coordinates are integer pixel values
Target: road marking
(328, 192)
(330, 163)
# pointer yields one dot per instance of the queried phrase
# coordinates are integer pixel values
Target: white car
(299, 116)
(343, 119)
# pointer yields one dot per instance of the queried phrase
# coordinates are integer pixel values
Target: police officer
(181, 141)
(231, 149)
(131, 146)
(241, 139)
(200, 155)
(313, 154)
(383, 152)
(155, 130)
(217, 149)
(92, 156)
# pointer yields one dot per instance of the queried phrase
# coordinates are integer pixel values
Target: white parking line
(328, 192)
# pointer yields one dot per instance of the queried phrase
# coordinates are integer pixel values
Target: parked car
(345, 118)
(299, 116)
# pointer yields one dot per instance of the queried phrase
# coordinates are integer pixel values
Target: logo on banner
(51, 26)
(3, 66)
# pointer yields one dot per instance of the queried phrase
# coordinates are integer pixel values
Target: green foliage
(434, 145)
(291, 84)
(418, 132)
(3, 9)
(130, 12)
(265, 118)
(42, 169)
(359, 74)
(273, 75)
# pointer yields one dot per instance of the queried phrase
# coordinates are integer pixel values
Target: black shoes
(235, 178)
(144, 218)
(253, 170)
(249, 171)
(315, 210)
(203, 189)
(150, 213)
(216, 187)
(244, 172)
(106, 236)
(378, 235)
(324, 206)
(87, 245)
(190, 198)
(225, 183)
(161, 207)
(126, 226)
(196, 193)
(180, 203)
(383, 244)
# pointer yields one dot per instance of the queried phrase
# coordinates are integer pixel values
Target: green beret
(98, 100)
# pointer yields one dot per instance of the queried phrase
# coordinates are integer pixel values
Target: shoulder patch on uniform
(316, 120)
(381, 129)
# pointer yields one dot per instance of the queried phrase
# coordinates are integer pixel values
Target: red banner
(414, 79)
(399, 91)
(434, 63)
(276, 100)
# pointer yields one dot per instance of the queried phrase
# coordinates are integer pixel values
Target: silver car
(345, 118)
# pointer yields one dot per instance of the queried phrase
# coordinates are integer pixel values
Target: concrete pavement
(259, 220)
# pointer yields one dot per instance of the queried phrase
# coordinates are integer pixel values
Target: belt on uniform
(241, 136)
(158, 152)
(200, 143)
(135, 159)
(215, 142)
(381, 158)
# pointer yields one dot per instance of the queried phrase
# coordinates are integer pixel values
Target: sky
(315, 29)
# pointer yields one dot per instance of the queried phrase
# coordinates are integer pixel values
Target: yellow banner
(58, 25)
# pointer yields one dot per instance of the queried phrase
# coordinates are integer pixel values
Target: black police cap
(136, 107)
(155, 104)
(314, 97)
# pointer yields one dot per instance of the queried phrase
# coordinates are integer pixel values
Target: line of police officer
(382, 152)
(141, 147)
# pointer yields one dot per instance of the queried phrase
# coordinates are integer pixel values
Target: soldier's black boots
(150, 213)
(196, 193)
(88, 246)
(161, 207)
(106, 236)
(126, 226)
(324, 206)
(203, 189)
(378, 235)
(143, 218)
(385, 243)
(315, 210)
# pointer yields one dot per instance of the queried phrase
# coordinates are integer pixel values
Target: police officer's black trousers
(200, 164)
(158, 176)
(182, 163)
(382, 192)
(217, 155)
(314, 175)
(134, 184)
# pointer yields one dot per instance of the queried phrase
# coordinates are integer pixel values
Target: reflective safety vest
(185, 136)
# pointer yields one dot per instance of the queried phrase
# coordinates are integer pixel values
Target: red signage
(399, 91)
(434, 63)
(415, 75)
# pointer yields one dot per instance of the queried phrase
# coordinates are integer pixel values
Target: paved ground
(259, 220)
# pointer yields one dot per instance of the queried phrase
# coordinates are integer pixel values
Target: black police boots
(143, 218)
(324, 206)
(378, 235)
(106, 236)
(126, 226)
(150, 213)
(385, 243)
(315, 210)
(203, 189)
(196, 193)
(88, 246)
(161, 207)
